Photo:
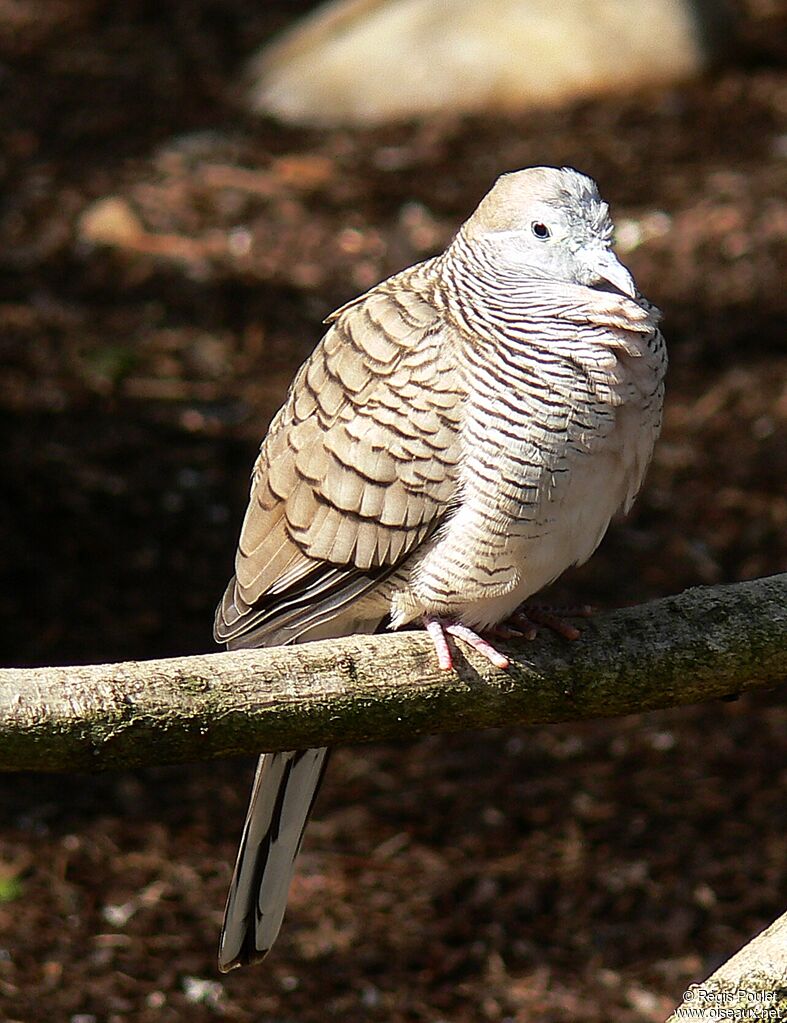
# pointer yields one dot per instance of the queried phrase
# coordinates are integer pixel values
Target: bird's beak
(604, 265)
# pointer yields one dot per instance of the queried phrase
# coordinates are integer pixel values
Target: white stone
(370, 61)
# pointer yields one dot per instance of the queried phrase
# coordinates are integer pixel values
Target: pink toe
(435, 629)
(480, 644)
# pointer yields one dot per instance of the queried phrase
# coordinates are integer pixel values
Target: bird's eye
(541, 231)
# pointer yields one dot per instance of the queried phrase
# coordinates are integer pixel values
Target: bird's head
(549, 221)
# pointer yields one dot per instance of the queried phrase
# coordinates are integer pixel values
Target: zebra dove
(461, 435)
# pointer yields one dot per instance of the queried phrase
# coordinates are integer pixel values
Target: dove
(461, 435)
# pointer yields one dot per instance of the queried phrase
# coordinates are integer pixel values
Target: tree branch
(705, 643)
(751, 986)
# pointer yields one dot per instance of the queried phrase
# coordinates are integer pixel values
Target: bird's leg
(439, 630)
(528, 617)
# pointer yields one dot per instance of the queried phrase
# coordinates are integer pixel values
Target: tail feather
(285, 787)
(282, 797)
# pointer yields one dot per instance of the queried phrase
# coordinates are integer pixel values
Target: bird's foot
(439, 630)
(524, 622)
(528, 618)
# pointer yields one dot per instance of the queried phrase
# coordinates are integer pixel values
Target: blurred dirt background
(165, 262)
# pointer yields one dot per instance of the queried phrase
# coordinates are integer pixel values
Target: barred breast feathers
(555, 372)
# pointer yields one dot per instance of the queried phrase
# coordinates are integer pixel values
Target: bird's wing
(357, 469)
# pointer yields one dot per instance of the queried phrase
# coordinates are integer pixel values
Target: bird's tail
(284, 790)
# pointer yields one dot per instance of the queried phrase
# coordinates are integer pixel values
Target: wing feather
(357, 469)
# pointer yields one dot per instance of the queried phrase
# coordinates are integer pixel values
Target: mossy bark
(704, 644)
